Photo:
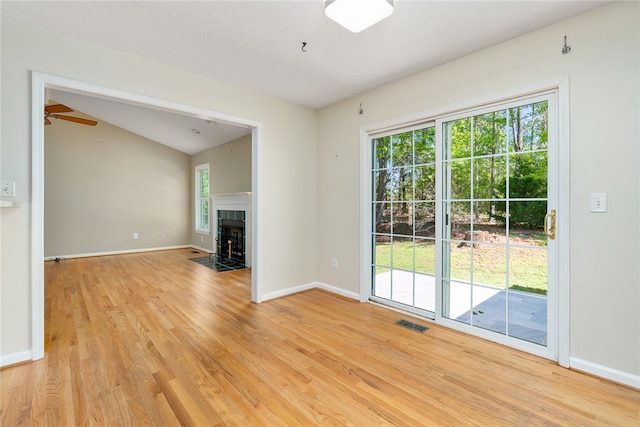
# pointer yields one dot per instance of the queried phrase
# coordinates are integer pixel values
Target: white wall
(286, 157)
(603, 68)
(103, 183)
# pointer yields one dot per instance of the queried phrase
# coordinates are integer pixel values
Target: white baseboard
(12, 359)
(288, 291)
(121, 252)
(339, 291)
(605, 372)
(306, 287)
(201, 249)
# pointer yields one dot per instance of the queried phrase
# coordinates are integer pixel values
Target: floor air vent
(411, 325)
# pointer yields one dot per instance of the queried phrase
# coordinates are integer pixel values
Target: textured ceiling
(258, 45)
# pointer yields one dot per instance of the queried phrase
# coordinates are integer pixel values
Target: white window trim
(198, 198)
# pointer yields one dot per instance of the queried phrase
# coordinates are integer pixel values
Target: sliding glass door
(462, 215)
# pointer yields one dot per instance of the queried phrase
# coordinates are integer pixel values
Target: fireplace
(231, 238)
(232, 233)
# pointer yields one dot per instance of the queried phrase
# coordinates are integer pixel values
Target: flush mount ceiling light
(356, 15)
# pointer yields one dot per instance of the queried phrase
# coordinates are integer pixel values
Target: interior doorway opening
(40, 83)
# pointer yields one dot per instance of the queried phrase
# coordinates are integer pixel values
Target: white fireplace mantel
(235, 202)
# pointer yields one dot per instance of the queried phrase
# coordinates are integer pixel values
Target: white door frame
(560, 85)
(39, 83)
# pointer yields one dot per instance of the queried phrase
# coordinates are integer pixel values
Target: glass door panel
(494, 198)
(404, 219)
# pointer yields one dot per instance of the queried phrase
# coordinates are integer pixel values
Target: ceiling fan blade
(77, 120)
(47, 122)
(57, 108)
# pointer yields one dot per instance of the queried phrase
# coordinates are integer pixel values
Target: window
(202, 198)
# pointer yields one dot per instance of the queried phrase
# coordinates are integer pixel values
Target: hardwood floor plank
(187, 402)
(154, 339)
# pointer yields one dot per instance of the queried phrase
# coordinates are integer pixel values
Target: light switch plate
(8, 188)
(598, 202)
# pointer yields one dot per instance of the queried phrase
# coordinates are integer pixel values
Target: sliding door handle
(550, 224)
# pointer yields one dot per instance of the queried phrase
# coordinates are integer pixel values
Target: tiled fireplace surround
(233, 202)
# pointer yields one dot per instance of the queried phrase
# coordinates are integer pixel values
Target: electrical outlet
(334, 262)
(8, 188)
(135, 236)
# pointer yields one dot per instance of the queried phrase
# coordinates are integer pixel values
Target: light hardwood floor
(156, 339)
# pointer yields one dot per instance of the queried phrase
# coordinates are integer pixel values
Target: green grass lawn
(527, 267)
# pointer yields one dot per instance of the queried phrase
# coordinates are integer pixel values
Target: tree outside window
(202, 198)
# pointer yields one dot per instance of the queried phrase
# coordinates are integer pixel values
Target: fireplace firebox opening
(231, 238)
